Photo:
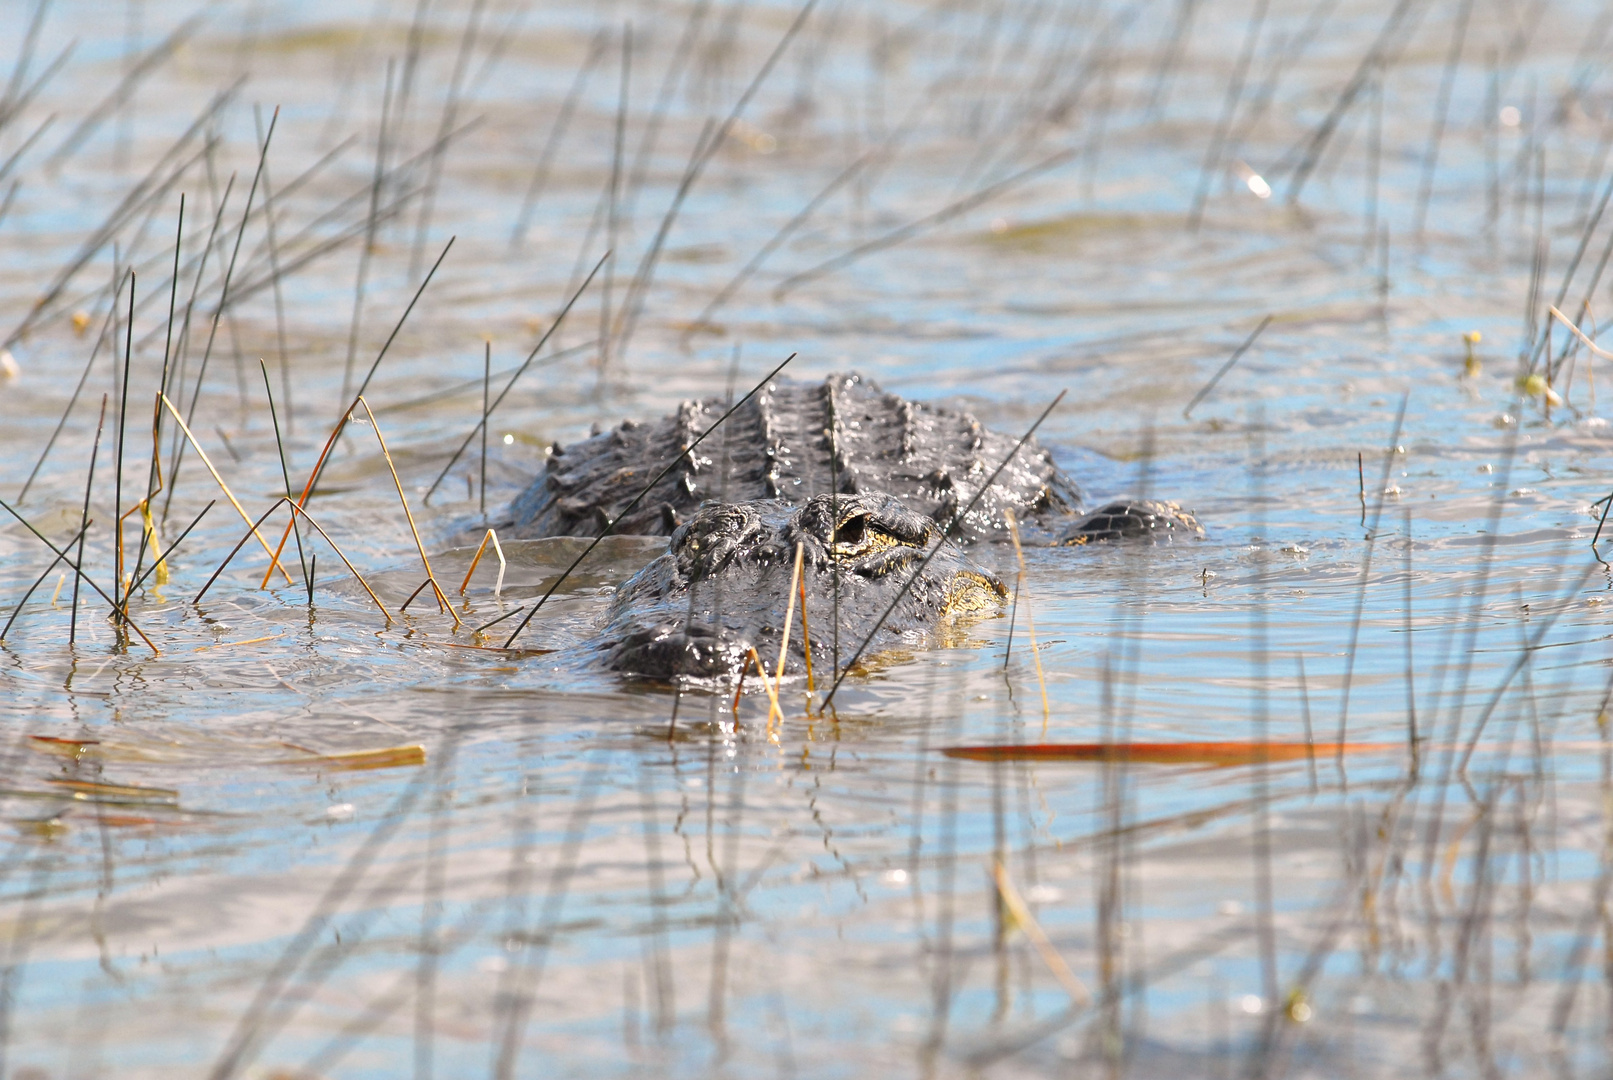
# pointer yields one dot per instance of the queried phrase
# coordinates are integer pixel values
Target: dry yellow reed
(1030, 620)
(498, 587)
(274, 559)
(442, 601)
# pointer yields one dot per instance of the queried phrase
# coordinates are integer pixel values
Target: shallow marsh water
(575, 882)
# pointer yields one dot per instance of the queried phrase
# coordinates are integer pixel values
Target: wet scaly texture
(724, 586)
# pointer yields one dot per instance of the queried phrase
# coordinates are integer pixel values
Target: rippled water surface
(282, 834)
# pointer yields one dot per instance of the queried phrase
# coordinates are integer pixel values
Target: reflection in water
(1359, 826)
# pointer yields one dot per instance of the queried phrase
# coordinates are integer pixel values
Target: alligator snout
(725, 583)
(671, 648)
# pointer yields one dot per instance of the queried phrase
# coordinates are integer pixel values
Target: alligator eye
(861, 535)
(852, 532)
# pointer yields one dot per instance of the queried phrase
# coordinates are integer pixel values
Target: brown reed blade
(840, 676)
(232, 644)
(739, 690)
(629, 508)
(313, 478)
(274, 560)
(1596, 350)
(495, 648)
(306, 516)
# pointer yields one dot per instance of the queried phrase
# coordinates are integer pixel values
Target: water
(574, 882)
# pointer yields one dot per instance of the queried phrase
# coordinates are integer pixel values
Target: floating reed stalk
(1227, 753)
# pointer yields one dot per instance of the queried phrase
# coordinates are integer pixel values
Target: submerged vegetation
(312, 771)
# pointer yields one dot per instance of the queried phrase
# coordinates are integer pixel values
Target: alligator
(793, 440)
(866, 485)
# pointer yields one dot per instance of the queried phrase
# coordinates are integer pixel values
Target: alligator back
(791, 441)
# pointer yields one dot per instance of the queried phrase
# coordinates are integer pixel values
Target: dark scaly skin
(902, 473)
(777, 446)
(723, 587)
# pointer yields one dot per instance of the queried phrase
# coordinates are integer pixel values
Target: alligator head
(724, 584)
